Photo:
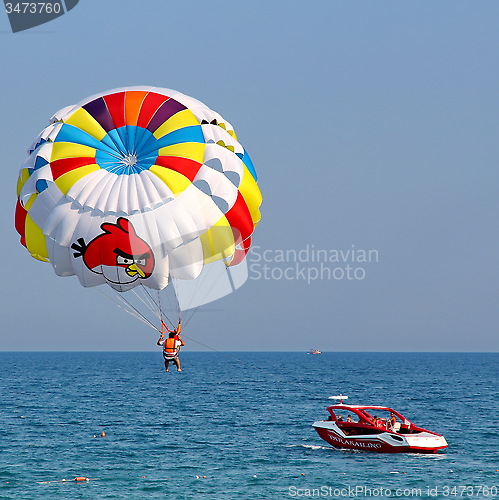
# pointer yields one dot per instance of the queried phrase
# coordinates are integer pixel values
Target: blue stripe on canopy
(126, 157)
(249, 164)
(41, 185)
(186, 134)
(70, 133)
(40, 162)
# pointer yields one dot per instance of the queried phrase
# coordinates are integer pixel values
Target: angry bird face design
(118, 253)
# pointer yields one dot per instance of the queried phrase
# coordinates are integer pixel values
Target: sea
(237, 425)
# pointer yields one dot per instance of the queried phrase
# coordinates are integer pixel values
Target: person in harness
(171, 346)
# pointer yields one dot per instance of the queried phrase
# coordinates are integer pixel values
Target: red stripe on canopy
(240, 253)
(185, 166)
(20, 221)
(151, 104)
(239, 218)
(65, 165)
(116, 105)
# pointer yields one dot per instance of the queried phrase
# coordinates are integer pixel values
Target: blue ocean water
(242, 420)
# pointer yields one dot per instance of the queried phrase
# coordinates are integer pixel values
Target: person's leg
(167, 362)
(177, 363)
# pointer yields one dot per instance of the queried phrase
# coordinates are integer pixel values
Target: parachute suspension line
(255, 367)
(191, 314)
(150, 304)
(175, 302)
(163, 316)
(192, 311)
(176, 298)
(194, 293)
(181, 313)
(224, 269)
(158, 310)
(172, 304)
(122, 303)
(133, 311)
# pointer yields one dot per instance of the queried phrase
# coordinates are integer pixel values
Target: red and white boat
(314, 351)
(375, 428)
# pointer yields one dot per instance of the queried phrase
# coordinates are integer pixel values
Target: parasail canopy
(137, 186)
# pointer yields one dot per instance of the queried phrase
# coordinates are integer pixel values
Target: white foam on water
(309, 446)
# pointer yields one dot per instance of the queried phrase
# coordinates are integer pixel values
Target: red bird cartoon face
(118, 253)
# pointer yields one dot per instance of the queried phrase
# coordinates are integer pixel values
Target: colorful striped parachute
(137, 186)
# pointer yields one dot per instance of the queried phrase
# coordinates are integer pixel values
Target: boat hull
(384, 442)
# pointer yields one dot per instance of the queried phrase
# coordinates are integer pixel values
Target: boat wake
(425, 456)
(309, 446)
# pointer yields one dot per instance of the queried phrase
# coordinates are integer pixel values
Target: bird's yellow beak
(133, 269)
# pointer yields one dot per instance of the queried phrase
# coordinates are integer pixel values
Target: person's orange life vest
(170, 346)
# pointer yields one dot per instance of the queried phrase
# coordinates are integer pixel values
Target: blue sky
(372, 125)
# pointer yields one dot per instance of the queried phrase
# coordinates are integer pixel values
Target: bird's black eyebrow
(121, 253)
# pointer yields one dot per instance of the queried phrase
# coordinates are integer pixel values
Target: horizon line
(273, 351)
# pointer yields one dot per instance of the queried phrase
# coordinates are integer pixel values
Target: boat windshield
(346, 415)
(372, 417)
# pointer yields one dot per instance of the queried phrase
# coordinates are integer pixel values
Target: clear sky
(373, 127)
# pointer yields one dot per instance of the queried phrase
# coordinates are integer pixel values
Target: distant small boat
(314, 351)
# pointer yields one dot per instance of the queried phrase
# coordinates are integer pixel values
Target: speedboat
(375, 428)
(314, 351)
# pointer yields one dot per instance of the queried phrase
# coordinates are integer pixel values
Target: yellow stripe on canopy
(83, 120)
(175, 181)
(66, 181)
(218, 242)
(24, 175)
(30, 202)
(252, 195)
(35, 240)
(184, 118)
(192, 150)
(62, 150)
